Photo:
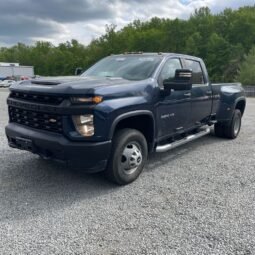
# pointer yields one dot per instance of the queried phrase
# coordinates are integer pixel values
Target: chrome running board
(170, 146)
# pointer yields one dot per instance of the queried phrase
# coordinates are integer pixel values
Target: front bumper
(88, 156)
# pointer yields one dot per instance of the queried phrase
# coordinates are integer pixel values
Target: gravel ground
(197, 199)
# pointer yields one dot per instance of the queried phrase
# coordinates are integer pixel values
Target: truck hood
(74, 85)
(58, 80)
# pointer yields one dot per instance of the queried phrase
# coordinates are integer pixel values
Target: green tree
(218, 51)
(246, 74)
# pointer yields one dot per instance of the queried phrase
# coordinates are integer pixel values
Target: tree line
(226, 42)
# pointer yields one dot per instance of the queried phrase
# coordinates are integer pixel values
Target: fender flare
(239, 99)
(132, 114)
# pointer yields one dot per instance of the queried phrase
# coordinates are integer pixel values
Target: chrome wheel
(128, 156)
(237, 126)
(131, 158)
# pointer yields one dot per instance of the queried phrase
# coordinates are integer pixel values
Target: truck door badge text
(165, 116)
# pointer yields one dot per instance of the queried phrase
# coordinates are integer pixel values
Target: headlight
(84, 124)
(84, 100)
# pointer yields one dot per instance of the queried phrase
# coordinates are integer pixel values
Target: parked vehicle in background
(120, 109)
(24, 78)
(6, 83)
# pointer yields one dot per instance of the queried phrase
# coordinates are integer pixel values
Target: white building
(14, 69)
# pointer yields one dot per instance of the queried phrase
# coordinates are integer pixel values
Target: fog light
(84, 124)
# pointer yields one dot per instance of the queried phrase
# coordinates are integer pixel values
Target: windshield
(126, 67)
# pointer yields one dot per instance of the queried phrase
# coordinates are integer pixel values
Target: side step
(170, 146)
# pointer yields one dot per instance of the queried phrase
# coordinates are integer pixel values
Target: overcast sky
(62, 20)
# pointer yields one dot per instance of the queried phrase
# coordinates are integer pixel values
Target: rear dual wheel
(128, 156)
(231, 129)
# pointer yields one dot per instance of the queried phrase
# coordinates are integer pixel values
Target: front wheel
(128, 156)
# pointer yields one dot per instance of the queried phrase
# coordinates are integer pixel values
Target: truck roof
(165, 54)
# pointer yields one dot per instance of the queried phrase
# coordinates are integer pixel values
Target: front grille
(38, 120)
(31, 97)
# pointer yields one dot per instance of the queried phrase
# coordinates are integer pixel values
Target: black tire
(231, 129)
(129, 150)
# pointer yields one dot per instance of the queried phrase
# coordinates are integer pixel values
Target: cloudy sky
(61, 20)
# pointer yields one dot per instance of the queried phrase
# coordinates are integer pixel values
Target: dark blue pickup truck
(125, 106)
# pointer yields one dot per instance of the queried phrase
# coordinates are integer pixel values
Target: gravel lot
(197, 199)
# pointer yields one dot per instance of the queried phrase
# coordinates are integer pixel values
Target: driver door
(174, 110)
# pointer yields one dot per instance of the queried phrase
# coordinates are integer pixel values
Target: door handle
(187, 94)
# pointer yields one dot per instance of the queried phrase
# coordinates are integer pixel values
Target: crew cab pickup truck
(122, 108)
